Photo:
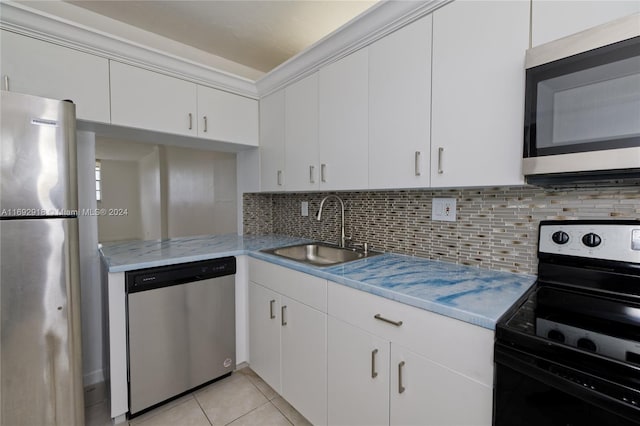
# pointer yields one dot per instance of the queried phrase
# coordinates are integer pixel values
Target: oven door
(531, 391)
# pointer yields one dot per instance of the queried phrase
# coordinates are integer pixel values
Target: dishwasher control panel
(165, 276)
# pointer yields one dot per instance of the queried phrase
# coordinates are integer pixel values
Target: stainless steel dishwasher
(180, 329)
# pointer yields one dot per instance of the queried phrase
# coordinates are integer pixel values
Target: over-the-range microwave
(582, 106)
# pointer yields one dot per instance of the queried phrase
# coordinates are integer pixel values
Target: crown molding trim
(375, 23)
(40, 25)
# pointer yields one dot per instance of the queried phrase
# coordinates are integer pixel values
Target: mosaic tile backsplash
(496, 228)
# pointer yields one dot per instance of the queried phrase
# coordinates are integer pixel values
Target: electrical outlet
(443, 209)
(304, 210)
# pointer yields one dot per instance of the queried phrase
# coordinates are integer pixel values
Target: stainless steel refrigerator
(40, 364)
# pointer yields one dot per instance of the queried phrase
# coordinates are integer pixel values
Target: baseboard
(95, 393)
(92, 378)
(241, 365)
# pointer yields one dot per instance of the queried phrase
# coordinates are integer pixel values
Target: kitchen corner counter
(131, 255)
(474, 295)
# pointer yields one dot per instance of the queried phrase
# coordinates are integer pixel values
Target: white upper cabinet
(44, 69)
(343, 122)
(152, 101)
(272, 142)
(301, 134)
(400, 108)
(478, 93)
(552, 20)
(227, 117)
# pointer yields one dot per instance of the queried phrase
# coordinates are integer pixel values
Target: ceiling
(258, 34)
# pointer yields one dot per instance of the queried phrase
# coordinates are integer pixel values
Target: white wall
(120, 190)
(150, 202)
(248, 178)
(201, 192)
(91, 296)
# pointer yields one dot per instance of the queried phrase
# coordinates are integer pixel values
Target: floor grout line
(203, 410)
(248, 412)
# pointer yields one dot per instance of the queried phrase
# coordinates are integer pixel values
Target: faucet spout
(319, 216)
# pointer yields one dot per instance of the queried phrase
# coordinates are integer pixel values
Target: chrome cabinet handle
(311, 174)
(381, 318)
(283, 320)
(323, 169)
(6, 82)
(190, 121)
(417, 163)
(440, 151)
(401, 388)
(271, 314)
(205, 123)
(279, 177)
(374, 373)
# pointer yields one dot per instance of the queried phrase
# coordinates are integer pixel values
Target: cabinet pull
(271, 314)
(311, 173)
(6, 82)
(374, 373)
(323, 169)
(401, 388)
(279, 178)
(417, 163)
(381, 318)
(190, 121)
(205, 123)
(440, 151)
(283, 320)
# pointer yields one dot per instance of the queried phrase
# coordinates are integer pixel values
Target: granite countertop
(474, 295)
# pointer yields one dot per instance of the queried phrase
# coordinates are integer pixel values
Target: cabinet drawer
(305, 288)
(463, 347)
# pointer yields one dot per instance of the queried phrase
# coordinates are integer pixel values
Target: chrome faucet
(319, 216)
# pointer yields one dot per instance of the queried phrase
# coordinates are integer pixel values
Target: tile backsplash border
(496, 228)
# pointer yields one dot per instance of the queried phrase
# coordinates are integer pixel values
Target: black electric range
(569, 352)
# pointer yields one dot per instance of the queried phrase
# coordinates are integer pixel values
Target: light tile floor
(242, 399)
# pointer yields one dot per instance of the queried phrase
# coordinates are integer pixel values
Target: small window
(98, 182)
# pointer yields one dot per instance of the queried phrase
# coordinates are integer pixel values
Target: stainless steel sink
(319, 254)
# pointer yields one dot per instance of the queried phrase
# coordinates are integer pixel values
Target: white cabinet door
(358, 378)
(426, 393)
(551, 20)
(478, 93)
(343, 122)
(264, 334)
(272, 142)
(227, 117)
(304, 359)
(152, 101)
(44, 69)
(301, 134)
(400, 108)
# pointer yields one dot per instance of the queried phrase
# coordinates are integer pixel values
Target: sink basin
(319, 254)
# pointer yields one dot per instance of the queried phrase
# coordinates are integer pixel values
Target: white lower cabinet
(358, 376)
(264, 334)
(304, 359)
(341, 356)
(426, 393)
(420, 373)
(288, 335)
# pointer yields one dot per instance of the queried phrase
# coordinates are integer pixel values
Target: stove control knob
(591, 240)
(556, 335)
(560, 237)
(587, 344)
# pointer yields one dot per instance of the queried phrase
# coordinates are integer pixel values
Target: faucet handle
(365, 246)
